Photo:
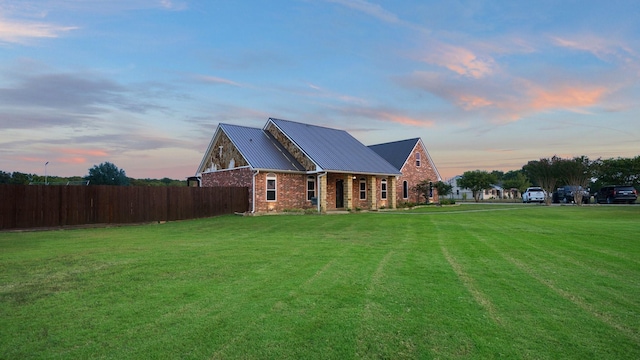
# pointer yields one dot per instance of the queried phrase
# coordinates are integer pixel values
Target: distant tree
(619, 171)
(5, 177)
(107, 174)
(515, 179)
(20, 178)
(499, 175)
(477, 181)
(576, 172)
(545, 172)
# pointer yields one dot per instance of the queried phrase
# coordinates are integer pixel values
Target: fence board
(34, 206)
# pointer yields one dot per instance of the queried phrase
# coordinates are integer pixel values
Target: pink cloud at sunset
(459, 60)
(72, 160)
(84, 152)
(565, 98)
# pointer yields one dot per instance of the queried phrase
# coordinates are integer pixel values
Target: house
(457, 192)
(496, 191)
(411, 158)
(291, 165)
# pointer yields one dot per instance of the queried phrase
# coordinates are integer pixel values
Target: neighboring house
(494, 192)
(457, 192)
(291, 165)
(412, 159)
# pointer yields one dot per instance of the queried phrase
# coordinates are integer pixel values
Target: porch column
(373, 193)
(323, 193)
(391, 188)
(348, 191)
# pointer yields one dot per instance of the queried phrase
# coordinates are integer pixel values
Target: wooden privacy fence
(33, 206)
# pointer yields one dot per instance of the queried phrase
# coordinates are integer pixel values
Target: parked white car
(533, 194)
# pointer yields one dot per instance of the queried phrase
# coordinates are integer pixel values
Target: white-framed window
(383, 189)
(311, 187)
(363, 189)
(405, 189)
(418, 159)
(271, 187)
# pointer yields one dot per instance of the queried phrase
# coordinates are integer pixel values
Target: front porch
(349, 192)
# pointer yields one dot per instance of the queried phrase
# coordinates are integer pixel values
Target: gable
(396, 152)
(252, 146)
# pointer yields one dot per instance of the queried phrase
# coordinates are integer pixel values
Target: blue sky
(486, 84)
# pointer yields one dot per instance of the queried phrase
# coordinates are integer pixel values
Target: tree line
(553, 172)
(103, 174)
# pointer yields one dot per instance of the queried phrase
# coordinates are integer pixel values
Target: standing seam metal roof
(396, 152)
(260, 149)
(334, 150)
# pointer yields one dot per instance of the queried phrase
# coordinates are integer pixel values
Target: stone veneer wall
(229, 151)
(414, 174)
(293, 149)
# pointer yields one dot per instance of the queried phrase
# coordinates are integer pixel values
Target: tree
(575, 172)
(545, 172)
(19, 178)
(476, 181)
(443, 188)
(107, 174)
(515, 179)
(619, 171)
(424, 188)
(5, 177)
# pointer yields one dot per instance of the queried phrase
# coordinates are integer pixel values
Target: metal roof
(260, 149)
(396, 152)
(334, 150)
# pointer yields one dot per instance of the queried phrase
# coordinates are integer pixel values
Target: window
(311, 187)
(418, 159)
(271, 187)
(232, 164)
(363, 189)
(383, 189)
(405, 189)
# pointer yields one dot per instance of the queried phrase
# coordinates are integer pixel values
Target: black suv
(565, 194)
(617, 194)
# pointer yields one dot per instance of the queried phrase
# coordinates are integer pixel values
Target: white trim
(275, 187)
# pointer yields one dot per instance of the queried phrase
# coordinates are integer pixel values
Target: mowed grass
(527, 282)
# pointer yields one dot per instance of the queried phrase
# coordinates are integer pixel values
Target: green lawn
(471, 281)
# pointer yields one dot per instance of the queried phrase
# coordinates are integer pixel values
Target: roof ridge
(397, 141)
(307, 124)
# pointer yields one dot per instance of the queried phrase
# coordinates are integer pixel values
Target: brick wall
(414, 174)
(291, 193)
(236, 177)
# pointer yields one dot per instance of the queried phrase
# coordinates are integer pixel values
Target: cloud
(368, 8)
(458, 59)
(566, 97)
(386, 115)
(507, 99)
(21, 32)
(606, 49)
(216, 80)
(84, 152)
(77, 93)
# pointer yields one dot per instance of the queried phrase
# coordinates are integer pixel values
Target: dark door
(339, 194)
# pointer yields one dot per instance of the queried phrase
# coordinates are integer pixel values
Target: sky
(487, 85)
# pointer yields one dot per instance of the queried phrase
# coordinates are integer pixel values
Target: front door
(339, 194)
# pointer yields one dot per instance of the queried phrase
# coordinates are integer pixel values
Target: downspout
(253, 192)
(319, 188)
